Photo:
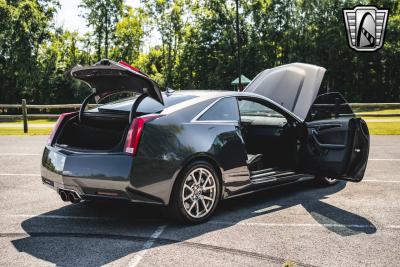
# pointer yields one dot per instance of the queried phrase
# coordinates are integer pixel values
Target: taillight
(60, 119)
(129, 66)
(135, 132)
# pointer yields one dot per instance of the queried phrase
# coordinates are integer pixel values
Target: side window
(252, 108)
(258, 114)
(329, 106)
(225, 109)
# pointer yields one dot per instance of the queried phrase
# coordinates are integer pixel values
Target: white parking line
(57, 217)
(303, 225)
(146, 246)
(384, 159)
(380, 181)
(20, 174)
(19, 154)
(149, 243)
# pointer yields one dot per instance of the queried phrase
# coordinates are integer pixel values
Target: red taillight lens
(60, 119)
(135, 132)
(129, 66)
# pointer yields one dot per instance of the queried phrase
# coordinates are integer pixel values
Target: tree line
(196, 47)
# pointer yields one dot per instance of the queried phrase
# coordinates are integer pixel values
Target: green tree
(24, 26)
(151, 64)
(198, 45)
(168, 19)
(129, 34)
(102, 16)
(57, 56)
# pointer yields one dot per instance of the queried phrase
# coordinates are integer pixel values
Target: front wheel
(196, 193)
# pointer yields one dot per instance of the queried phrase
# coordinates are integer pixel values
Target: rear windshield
(148, 105)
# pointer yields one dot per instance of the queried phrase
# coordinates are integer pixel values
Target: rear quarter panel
(170, 142)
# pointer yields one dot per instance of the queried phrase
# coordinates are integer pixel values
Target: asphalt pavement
(349, 224)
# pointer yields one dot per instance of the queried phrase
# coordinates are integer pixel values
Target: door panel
(360, 152)
(336, 148)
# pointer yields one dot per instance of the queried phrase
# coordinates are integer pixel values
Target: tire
(325, 181)
(190, 202)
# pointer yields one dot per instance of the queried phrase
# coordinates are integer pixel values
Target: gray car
(188, 150)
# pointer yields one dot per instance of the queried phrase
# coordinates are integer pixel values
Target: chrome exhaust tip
(73, 197)
(63, 195)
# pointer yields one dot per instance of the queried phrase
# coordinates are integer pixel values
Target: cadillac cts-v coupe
(188, 150)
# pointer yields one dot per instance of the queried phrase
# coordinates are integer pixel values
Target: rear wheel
(196, 193)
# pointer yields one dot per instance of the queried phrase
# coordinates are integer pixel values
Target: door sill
(273, 175)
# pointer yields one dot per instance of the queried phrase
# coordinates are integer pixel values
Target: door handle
(314, 134)
(328, 126)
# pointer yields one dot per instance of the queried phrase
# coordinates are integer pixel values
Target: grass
(375, 127)
(32, 131)
(383, 111)
(41, 121)
(385, 127)
(381, 128)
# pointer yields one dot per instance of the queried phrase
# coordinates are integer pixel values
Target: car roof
(207, 93)
(203, 95)
(189, 98)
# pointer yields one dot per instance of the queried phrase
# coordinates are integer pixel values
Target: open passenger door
(336, 143)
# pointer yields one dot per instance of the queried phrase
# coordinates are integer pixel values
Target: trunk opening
(94, 133)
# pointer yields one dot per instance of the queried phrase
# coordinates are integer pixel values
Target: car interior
(270, 139)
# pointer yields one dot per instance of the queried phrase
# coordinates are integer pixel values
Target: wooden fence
(24, 115)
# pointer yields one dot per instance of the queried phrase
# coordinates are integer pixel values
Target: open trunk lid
(106, 77)
(294, 86)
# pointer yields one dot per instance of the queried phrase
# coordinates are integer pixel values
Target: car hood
(106, 76)
(294, 86)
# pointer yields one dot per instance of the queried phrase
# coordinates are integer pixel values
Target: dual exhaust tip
(68, 195)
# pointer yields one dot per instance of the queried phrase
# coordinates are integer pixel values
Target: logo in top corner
(365, 27)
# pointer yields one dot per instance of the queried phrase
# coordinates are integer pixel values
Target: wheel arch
(200, 157)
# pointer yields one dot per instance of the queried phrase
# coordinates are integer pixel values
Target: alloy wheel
(199, 193)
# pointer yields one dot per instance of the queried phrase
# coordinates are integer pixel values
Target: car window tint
(329, 106)
(149, 105)
(252, 108)
(225, 109)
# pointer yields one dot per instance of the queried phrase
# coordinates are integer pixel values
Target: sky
(69, 17)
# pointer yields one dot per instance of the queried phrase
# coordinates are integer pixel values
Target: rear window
(148, 105)
(225, 109)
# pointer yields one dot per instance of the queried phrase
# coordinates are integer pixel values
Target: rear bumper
(93, 175)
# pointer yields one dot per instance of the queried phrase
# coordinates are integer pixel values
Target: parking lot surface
(349, 224)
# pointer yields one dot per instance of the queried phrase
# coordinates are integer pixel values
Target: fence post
(24, 115)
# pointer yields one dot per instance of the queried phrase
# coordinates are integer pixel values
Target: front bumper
(92, 175)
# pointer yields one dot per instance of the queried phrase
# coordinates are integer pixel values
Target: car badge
(365, 27)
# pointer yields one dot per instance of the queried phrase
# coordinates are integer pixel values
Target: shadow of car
(93, 235)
